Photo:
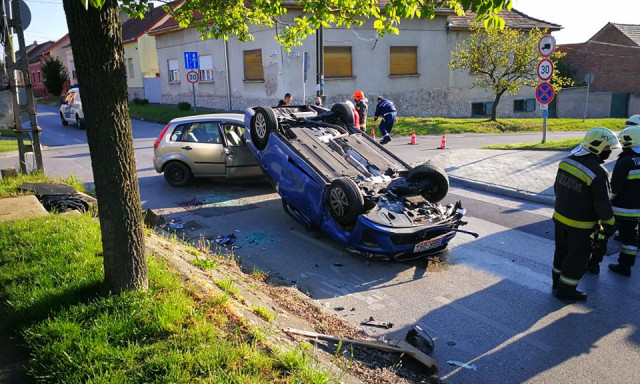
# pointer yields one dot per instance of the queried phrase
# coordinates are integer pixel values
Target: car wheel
(80, 122)
(262, 124)
(63, 120)
(344, 112)
(345, 201)
(177, 174)
(437, 180)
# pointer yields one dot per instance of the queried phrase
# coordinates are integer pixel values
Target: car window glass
(178, 132)
(234, 134)
(69, 98)
(204, 132)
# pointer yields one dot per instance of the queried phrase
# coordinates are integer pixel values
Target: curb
(501, 190)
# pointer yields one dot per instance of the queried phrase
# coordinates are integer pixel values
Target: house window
(337, 62)
(403, 60)
(39, 78)
(73, 74)
(206, 68)
(130, 72)
(174, 73)
(33, 76)
(253, 65)
(481, 109)
(524, 105)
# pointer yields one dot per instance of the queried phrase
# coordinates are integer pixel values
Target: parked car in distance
(332, 176)
(71, 109)
(210, 146)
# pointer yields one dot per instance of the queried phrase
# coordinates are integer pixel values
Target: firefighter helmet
(358, 95)
(633, 120)
(630, 136)
(598, 138)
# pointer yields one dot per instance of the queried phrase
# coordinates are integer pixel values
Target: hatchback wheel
(177, 174)
(63, 120)
(345, 201)
(434, 178)
(262, 124)
(345, 113)
(80, 122)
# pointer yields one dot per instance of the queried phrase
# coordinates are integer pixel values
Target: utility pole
(320, 63)
(22, 109)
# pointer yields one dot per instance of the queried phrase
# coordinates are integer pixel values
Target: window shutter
(337, 62)
(403, 60)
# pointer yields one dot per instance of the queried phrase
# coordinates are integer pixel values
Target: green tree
(55, 75)
(96, 39)
(503, 60)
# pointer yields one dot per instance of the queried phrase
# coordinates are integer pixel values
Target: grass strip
(51, 284)
(552, 145)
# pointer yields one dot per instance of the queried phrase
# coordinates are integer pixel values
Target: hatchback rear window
(178, 132)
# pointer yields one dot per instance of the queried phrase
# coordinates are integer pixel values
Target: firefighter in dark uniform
(625, 189)
(387, 111)
(582, 204)
(362, 108)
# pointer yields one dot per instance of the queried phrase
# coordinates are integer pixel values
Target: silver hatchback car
(210, 146)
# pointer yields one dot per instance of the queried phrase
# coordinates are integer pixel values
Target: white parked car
(71, 109)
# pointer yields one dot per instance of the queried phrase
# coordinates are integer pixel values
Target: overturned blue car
(333, 177)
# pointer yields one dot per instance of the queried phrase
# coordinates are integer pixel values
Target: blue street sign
(544, 93)
(191, 60)
(545, 113)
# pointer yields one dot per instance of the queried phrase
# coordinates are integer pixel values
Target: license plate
(428, 244)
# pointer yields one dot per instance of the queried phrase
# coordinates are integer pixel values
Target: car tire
(438, 185)
(345, 201)
(262, 124)
(177, 174)
(63, 120)
(344, 112)
(80, 122)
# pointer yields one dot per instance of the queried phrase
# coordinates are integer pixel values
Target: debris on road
(378, 324)
(461, 364)
(401, 346)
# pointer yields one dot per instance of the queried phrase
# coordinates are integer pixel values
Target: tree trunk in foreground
(96, 40)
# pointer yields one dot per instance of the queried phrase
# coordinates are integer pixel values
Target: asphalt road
(487, 305)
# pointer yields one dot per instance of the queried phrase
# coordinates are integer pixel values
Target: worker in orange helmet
(361, 107)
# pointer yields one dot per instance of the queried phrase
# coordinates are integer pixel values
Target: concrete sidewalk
(523, 174)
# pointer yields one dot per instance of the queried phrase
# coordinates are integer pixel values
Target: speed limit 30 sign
(545, 69)
(193, 77)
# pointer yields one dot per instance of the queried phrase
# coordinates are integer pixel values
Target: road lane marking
(514, 335)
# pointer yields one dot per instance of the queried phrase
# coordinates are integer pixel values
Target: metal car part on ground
(211, 146)
(333, 177)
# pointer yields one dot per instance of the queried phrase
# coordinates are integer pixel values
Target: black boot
(623, 270)
(593, 267)
(569, 293)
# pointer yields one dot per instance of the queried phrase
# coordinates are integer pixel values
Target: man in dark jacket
(286, 101)
(582, 203)
(625, 188)
(387, 111)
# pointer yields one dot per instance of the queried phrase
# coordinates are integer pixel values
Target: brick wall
(615, 64)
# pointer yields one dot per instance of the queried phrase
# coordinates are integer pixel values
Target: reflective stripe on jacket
(582, 192)
(625, 185)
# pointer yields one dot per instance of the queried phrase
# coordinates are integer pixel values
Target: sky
(580, 19)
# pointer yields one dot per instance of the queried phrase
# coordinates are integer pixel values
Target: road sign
(545, 69)
(544, 93)
(191, 60)
(546, 45)
(193, 77)
(589, 77)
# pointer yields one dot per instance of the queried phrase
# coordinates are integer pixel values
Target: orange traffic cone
(373, 133)
(443, 143)
(413, 138)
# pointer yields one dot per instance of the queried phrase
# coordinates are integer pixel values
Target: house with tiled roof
(410, 68)
(36, 57)
(612, 56)
(140, 56)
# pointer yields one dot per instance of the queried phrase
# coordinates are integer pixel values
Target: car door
(239, 160)
(202, 145)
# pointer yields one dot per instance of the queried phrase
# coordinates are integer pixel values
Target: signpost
(588, 78)
(193, 78)
(191, 60)
(544, 90)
